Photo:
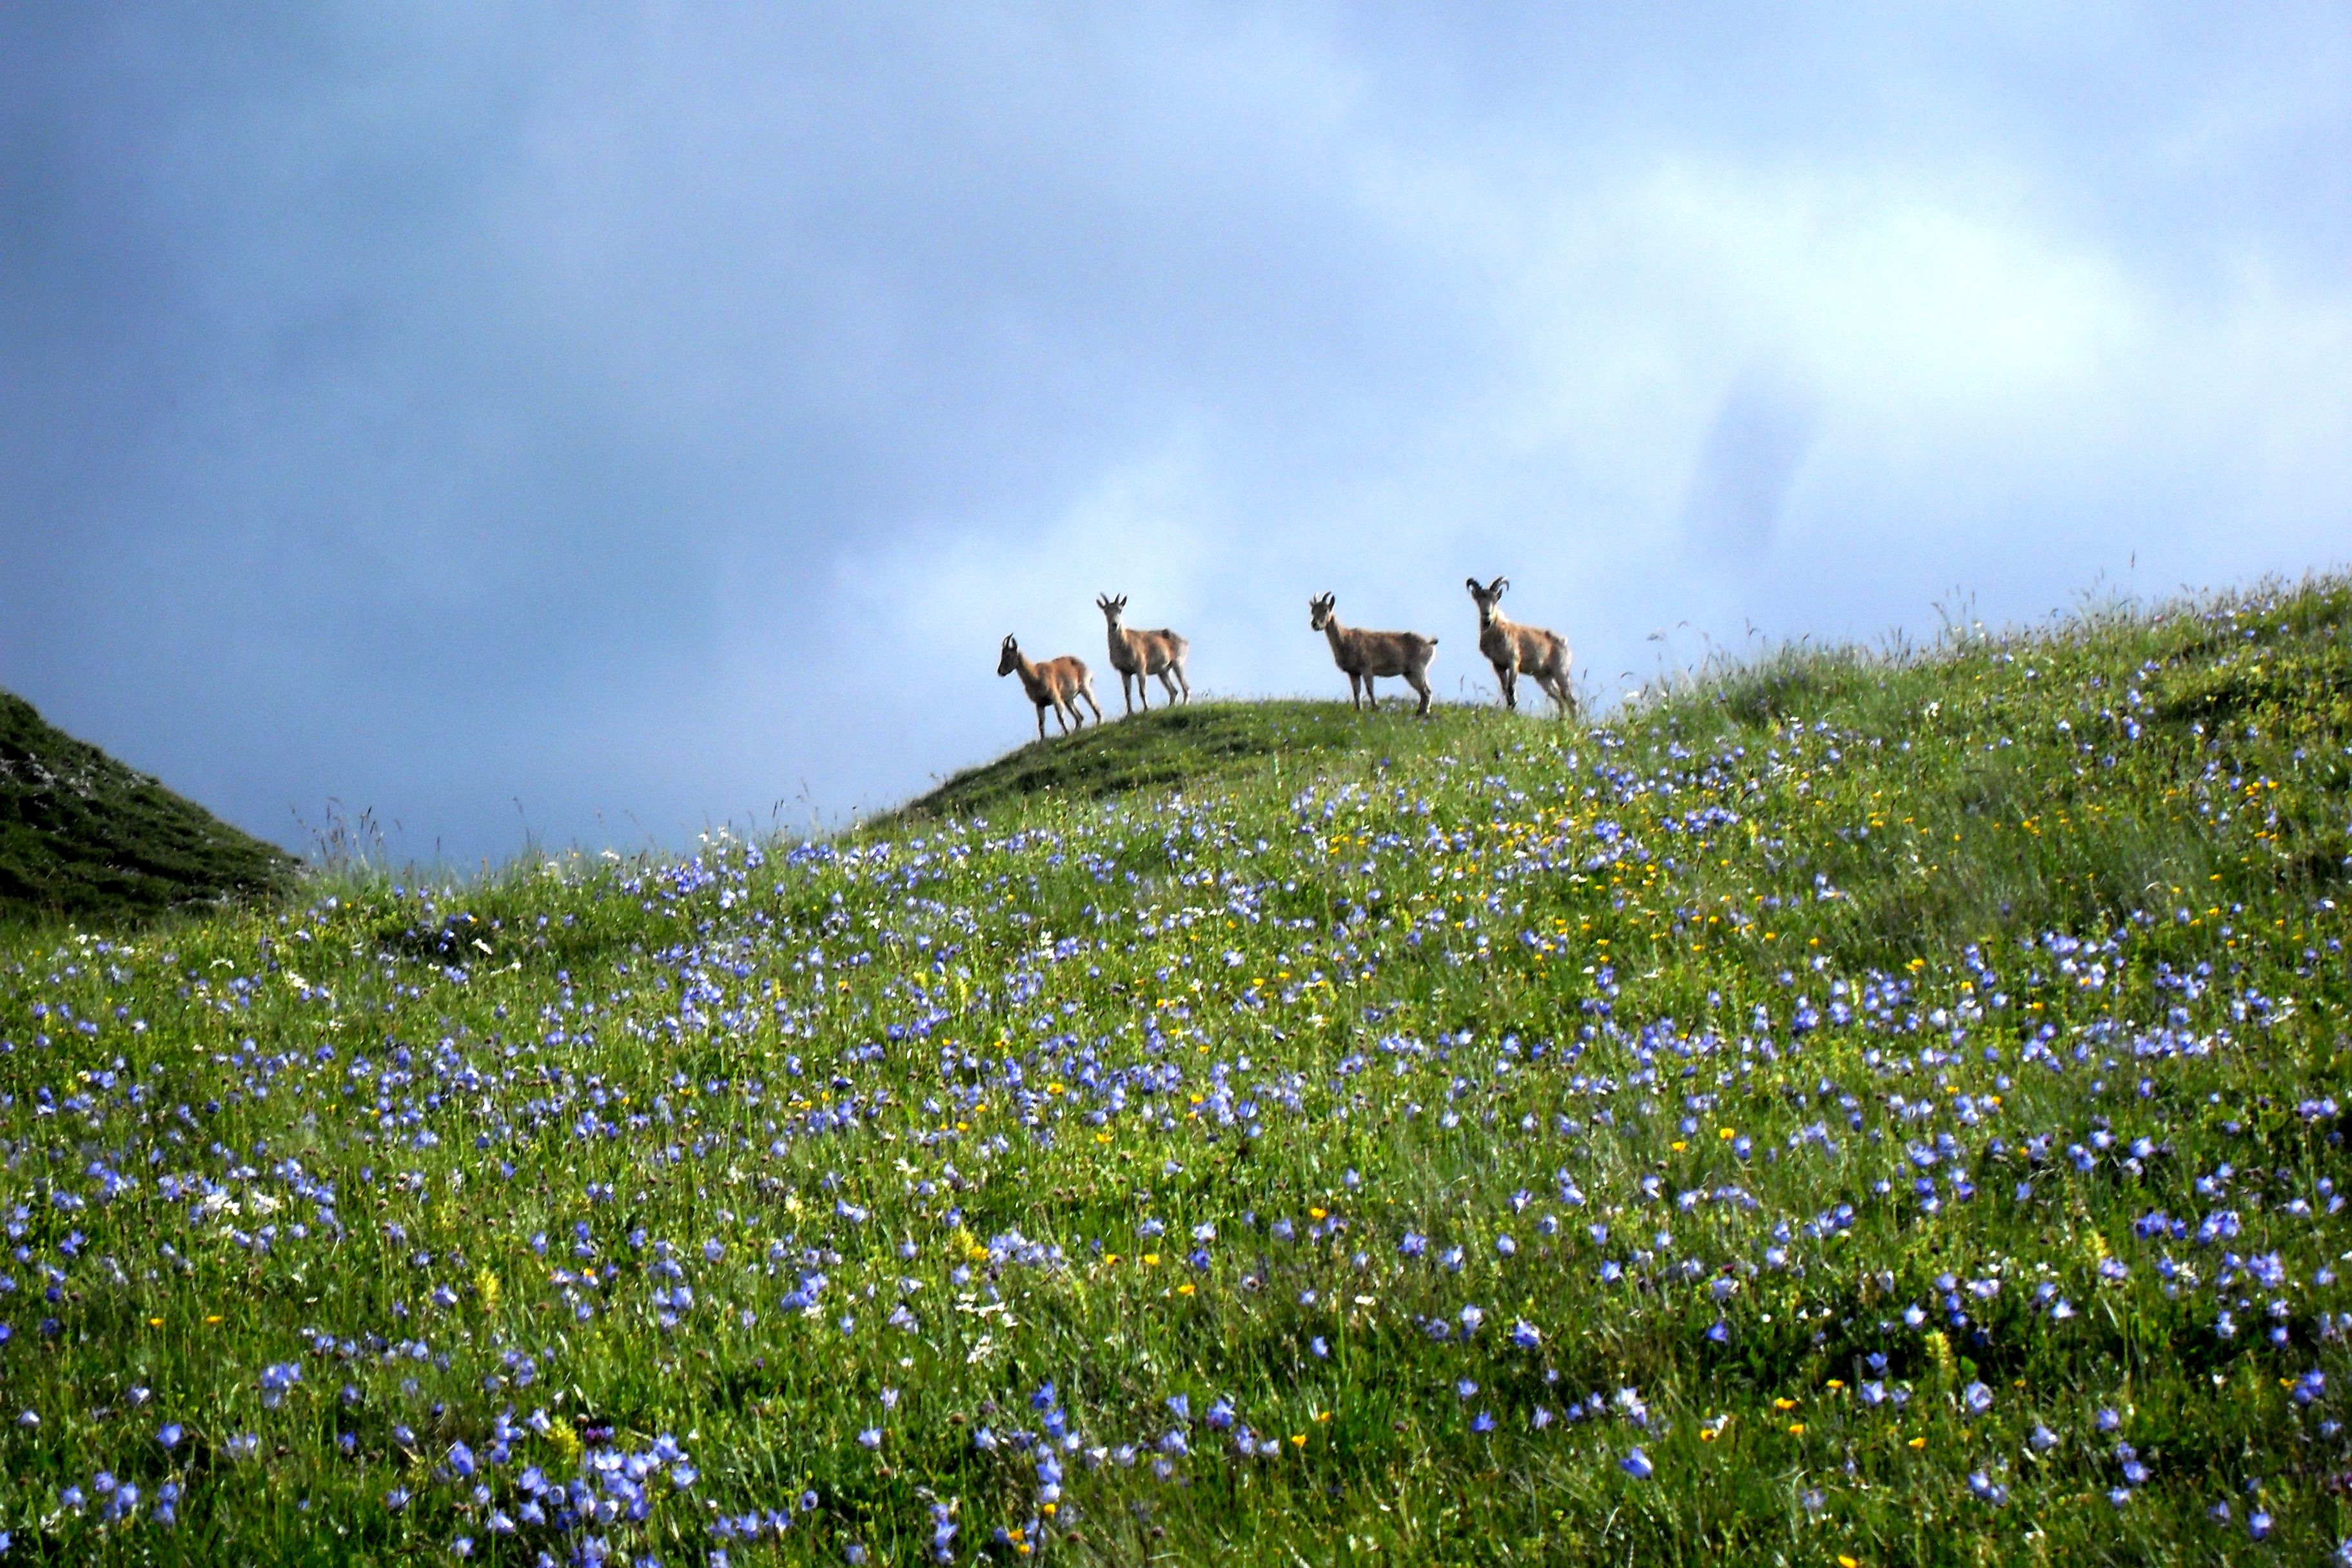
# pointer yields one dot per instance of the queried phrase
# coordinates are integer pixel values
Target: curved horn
(1500, 584)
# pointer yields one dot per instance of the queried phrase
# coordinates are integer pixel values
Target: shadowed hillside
(85, 838)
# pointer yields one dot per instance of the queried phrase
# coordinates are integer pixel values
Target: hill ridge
(87, 837)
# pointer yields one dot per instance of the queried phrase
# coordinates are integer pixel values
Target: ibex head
(1112, 609)
(1318, 612)
(1485, 598)
(1009, 660)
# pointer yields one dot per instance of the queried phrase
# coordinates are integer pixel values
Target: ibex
(1366, 655)
(1515, 651)
(1057, 683)
(1138, 656)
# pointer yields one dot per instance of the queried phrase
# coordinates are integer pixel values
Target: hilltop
(1845, 1109)
(83, 838)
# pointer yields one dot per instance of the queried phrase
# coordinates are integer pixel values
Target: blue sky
(613, 421)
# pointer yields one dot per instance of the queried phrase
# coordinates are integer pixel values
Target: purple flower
(1637, 1465)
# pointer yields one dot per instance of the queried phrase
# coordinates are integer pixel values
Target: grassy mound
(1196, 746)
(85, 838)
(1879, 1111)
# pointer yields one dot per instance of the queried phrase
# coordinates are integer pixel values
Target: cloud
(653, 415)
(1761, 434)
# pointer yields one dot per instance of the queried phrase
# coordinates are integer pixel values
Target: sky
(590, 425)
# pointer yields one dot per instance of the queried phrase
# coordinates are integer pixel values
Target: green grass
(84, 838)
(1173, 1063)
(1198, 746)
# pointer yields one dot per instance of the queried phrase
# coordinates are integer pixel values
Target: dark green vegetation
(84, 838)
(1844, 1110)
(1196, 746)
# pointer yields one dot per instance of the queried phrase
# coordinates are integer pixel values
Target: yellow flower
(1784, 1403)
(566, 1441)
(1918, 1442)
(1796, 1428)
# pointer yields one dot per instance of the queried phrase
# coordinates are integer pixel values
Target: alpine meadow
(1847, 1108)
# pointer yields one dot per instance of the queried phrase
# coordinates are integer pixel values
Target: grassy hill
(1842, 1110)
(1198, 746)
(84, 838)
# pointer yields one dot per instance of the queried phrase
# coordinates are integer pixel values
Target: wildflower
(1976, 1398)
(170, 1434)
(275, 1379)
(1637, 1465)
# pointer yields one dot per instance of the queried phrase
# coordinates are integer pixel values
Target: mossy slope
(85, 838)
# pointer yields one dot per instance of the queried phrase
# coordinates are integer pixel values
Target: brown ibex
(1515, 651)
(1138, 656)
(1368, 655)
(1057, 683)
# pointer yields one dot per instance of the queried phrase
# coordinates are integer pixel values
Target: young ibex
(1368, 655)
(1057, 683)
(1515, 651)
(1138, 656)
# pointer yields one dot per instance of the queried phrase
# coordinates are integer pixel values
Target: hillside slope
(85, 838)
(1195, 746)
(1842, 1111)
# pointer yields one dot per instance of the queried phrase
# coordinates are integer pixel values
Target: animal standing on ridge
(1138, 656)
(1515, 651)
(1057, 683)
(1366, 655)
